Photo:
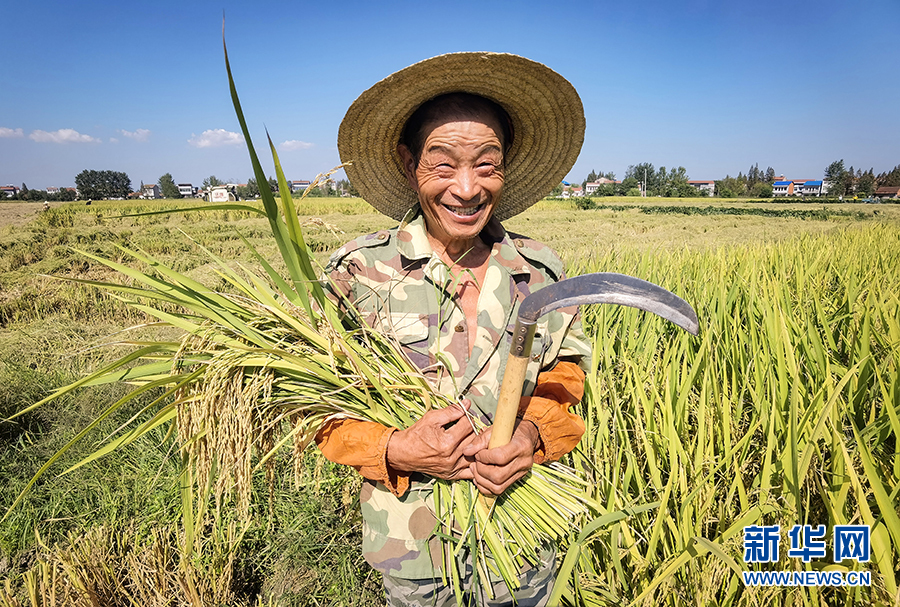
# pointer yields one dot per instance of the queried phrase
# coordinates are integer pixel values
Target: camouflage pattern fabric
(403, 289)
(535, 586)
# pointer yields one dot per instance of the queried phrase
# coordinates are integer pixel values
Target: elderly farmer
(449, 147)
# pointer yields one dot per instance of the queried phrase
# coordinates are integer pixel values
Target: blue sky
(712, 85)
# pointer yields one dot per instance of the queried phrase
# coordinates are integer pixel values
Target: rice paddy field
(785, 411)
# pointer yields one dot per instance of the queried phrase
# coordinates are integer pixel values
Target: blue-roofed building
(812, 188)
(783, 188)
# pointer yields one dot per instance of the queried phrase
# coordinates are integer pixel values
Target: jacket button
(520, 243)
(382, 236)
(460, 328)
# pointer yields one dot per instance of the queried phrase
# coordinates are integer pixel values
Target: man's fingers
(463, 474)
(478, 443)
(499, 456)
(490, 482)
(447, 415)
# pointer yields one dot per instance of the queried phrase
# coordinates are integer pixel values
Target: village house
(704, 185)
(813, 188)
(591, 186)
(187, 190)
(798, 186)
(783, 188)
(151, 191)
(572, 191)
(8, 191)
(298, 185)
(892, 191)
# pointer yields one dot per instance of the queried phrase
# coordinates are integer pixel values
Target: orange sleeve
(362, 445)
(548, 409)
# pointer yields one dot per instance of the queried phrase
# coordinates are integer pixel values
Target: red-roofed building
(891, 191)
(704, 185)
(592, 186)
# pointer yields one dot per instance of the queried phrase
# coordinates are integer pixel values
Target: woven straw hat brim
(546, 113)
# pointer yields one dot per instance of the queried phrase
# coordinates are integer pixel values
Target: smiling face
(458, 177)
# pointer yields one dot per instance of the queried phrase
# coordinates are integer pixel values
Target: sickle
(604, 287)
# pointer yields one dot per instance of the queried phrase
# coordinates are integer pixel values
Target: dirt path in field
(19, 213)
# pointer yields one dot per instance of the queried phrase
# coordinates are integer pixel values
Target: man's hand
(494, 470)
(434, 445)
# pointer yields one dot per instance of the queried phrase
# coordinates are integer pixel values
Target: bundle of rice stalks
(267, 363)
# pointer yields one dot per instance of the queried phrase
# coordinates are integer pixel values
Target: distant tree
(628, 184)
(557, 191)
(605, 189)
(273, 184)
(118, 184)
(66, 195)
(865, 183)
(102, 184)
(754, 176)
(351, 189)
(23, 192)
(86, 183)
(675, 183)
(167, 187)
(731, 187)
(770, 175)
(835, 170)
(840, 179)
(645, 173)
(890, 178)
(251, 189)
(761, 189)
(211, 182)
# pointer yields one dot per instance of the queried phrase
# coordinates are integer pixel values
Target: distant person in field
(449, 147)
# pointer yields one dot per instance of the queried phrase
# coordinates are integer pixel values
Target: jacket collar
(412, 242)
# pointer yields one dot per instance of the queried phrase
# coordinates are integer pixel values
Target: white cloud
(215, 138)
(113, 140)
(5, 132)
(138, 135)
(294, 144)
(61, 136)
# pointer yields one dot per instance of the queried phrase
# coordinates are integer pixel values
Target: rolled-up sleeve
(548, 408)
(363, 446)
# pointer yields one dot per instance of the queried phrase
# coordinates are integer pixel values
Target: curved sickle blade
(604, 287)
(608, 287)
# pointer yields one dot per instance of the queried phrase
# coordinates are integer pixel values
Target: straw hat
(545, 110)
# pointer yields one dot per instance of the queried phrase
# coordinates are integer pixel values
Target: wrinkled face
(459, 177)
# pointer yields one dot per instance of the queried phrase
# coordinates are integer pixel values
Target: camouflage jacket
(395, 278)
